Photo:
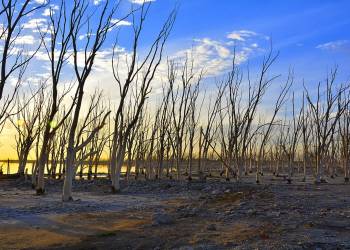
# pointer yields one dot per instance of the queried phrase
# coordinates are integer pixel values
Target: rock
(211, 227)
(162, 219)
(251, 212)
(216, 192)
(180, 208)
(185, 248)
(188, 212)
(275, 213)
(242, 204)
(206, 189)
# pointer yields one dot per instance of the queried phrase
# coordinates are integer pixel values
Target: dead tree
(180, 101)
(193, 120)
(13, 58)
(27, 126)
(269, 126)
(344, 131)
(236, 127)
(131, 152)
(93, 44)
(57, 46)
(89, 128)
(325, 113)
(208, 131)
(306, 133)
(164, 122)
(140, 74)
(292, 137)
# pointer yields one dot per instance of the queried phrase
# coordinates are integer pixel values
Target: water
(13, 168)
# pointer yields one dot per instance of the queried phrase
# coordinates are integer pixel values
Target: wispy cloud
(35, 23)
(215, 56)
(50, 10)
(339, 45)
(40, 1)
(119, 22)
(26, 39)
(141, 1)
(241, 35)
(97, 2)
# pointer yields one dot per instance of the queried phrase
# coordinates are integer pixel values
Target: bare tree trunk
(119, 164)
(69, 175)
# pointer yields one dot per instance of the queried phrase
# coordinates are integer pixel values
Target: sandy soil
(177, 215)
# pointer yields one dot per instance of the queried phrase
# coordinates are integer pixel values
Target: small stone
(276, 213)
(215, 192)
(162, 219)
(211, 227)
(186, 248)
(251, 212)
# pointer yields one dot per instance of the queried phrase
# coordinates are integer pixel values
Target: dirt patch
(21, 238)
(208, 215)
(106, 221)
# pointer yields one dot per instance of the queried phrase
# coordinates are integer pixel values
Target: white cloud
(52, 9)
(82, 37)
(97, 2)
(241, 35)
(119, 22)
(46, 12)
(40, 1)
(35, 23)
(141, 1)
(213, 56)
(26, 39)
(340, 45)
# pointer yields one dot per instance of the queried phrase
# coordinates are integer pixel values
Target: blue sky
(298, 28)
(311, 36)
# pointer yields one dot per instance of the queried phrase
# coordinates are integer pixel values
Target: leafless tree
(86, 132)
(292, 129)
(27, 126)
(93, 44)
(306, 133)
(140, 74)
(181, 102)
(269, 126)
(193, 121)
(344, 131)
(164, 123)
(57, 46)
(13, 58)
(325, 113)
(208, 131)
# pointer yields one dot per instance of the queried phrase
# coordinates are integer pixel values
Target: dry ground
(178, 215)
